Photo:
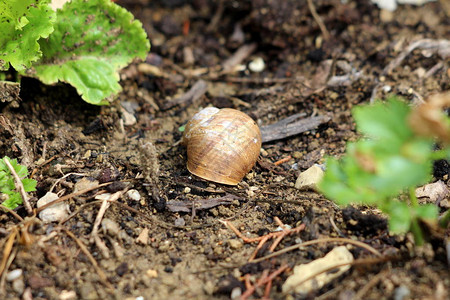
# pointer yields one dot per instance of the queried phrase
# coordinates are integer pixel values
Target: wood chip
(196, 91)
(186, 206)
(291, 126)
(143, 237)
(301, 281)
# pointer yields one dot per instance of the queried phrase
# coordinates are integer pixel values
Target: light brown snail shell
(222, 144)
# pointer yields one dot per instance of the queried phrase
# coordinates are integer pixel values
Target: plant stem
(415, 227)
(439, 154)
(417, 232)
(445, 219)
(412, 197)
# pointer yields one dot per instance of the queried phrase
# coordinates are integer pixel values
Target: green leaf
(375, 170)
(399, 216)
(13, 201)
(95, 80)
(426, 212)
(386, 121)
(92, 40)
(22, 24)
(29, 184)
(8, 185)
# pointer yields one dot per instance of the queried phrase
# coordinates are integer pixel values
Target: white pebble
(257, 65)
(236, 293)
(134, 195)
(54, 213)
(14, 274)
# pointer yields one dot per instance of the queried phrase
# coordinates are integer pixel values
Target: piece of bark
(291, 126)
(238, 57)
(195, 92)
(186, 206)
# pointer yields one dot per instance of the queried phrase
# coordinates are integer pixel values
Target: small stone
(165, 246)
(87, 154)
(218, 250)
(134, 195)
(297, 155)
(67, 295)
(128, 118)
(386, 16)
(18, 285)
(263, 152)
(310, 178)
(236, 293)
(110, 227)
(122, 269)
(250, 175)
(143, 237)
(87, 291)
(151, 273)
(257, 65)
(386, 88)
(235, 244)
(54, 213)
(14, 274)
(179, 222)
(333, 95)
(37, 282)
(209, 287)
(187, 190)
(401, 292)
(435, 191)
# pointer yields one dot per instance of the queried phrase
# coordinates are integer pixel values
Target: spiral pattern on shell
(222, 144)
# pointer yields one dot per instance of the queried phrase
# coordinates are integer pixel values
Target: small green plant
(392, 159)
(84, 44)
(8, 186)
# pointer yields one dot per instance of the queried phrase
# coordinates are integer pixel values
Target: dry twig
(279, 235)
(86, 252)
(238, 57)
(94, 234)
(7, 249)
(442, 47)
(323, 28)
(195, 92)
(265, 279)
(12, 212)
(363, 261)
(292, 125)
(66, 197)
(318, 241)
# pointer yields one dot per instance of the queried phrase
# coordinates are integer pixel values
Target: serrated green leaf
(375, 170)
(89, 31)
(95, 80)
(387, 121)
(426, 212)
(396, 173)
(29, 184)
(399, 216)
(343, 182)
(8, 184)
(22, 24)
(13, 201)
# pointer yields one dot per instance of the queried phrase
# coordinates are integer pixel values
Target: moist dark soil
(166, 242)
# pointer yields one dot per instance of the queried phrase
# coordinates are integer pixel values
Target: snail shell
(222, 144)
